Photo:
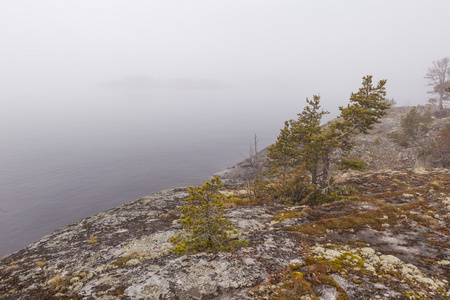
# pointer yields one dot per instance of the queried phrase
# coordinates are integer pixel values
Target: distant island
(145, 82)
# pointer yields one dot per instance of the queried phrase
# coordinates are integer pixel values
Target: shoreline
(126, 252)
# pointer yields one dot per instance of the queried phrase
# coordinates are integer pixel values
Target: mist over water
(69, 156)
(103, 102)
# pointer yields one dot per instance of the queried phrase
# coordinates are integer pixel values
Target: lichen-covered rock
(125, 253)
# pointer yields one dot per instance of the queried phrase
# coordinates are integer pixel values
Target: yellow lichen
(92, 239)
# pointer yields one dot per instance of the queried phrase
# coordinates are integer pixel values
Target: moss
(42, 293)
(421, 205)
(102, 287)
(342, 296)
(435, 186)
(295, 285)
(374, 218)
(323, 266)
(412, 295)
(328, 280)
(350, 259)
(298, 275)
(352, 164)
(319, 270)
(122, 261)
(308, 229)
(294, 289)
(117, 291)
(288, 215)
(429, 261)
(309, 260)
(357, 243)
(232, 201)
(240, 201)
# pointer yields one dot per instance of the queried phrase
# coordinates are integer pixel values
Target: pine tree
(366, 108)
(310, 136)
(204, 222)
(283, 155)
(305, 142)
(289, 157)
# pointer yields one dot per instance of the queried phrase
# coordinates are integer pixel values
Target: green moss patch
(375, 218)
(122, 261)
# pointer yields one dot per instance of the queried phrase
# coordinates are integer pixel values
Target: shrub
(288, 188)
(204, 222)
(399, 138)
(353, 164)
(443, 145)
(416, 124)
(444, 113)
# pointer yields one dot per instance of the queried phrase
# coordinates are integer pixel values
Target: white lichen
(379, 265)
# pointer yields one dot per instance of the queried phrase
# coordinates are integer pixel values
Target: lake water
(68, 156)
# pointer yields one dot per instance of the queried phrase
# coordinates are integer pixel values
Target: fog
(317, 46)
(103, 102)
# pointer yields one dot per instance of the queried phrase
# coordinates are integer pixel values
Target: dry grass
(12, 267)
(41, 263)
(59, 280)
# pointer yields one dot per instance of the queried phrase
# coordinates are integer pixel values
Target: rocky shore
(390, 240)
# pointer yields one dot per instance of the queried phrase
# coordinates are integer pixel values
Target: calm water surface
(66, 157)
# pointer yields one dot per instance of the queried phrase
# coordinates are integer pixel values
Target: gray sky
(319, 46)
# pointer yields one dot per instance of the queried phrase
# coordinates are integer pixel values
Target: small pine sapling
(204, 222)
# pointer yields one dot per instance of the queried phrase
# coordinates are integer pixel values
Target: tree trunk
(325, 170)
(314, 175)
